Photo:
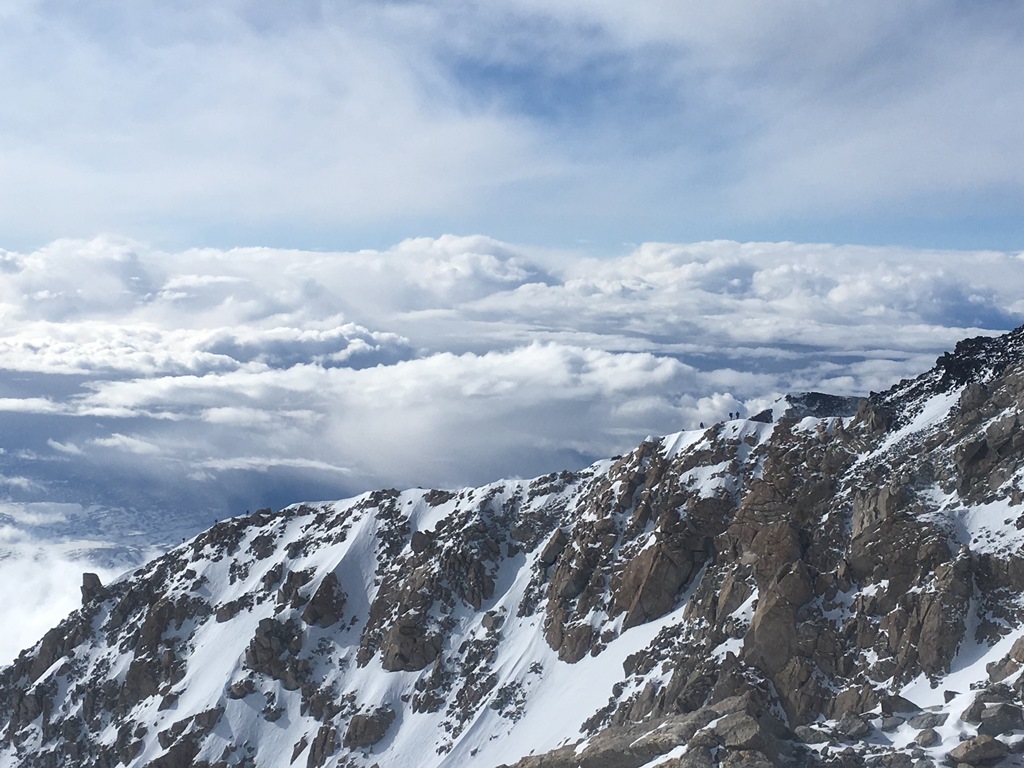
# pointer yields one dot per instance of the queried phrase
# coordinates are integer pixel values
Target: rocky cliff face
(828, 587)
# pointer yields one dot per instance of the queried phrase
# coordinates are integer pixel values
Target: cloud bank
(145, 394)
(448, 360)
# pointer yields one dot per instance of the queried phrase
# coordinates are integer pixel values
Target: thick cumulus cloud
(453, 359)
(144, 394)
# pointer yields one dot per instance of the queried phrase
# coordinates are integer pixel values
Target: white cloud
(224, 375)
(126, 443)
(37, 513)
(71, 448)
(39, 584)
(536, 120)
(29, 405)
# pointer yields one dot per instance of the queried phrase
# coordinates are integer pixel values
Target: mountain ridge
(833, 589)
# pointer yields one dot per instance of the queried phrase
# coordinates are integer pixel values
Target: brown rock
(326, 605)
(92, 588)
(367, 730)
(741, 731)
(650, 583)
(927, 738)
(408, 646)
(553, 548)
(1000, 718)
(325, 744)
(981, 750)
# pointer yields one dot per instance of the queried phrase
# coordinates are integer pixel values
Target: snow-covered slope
(817, 589)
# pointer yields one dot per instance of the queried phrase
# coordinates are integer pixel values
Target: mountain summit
(834, 584)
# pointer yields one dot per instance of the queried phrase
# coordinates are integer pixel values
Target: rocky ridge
(828, 587)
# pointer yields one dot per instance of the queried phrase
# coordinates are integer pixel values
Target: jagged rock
(853, 726)
(272, 652)
(367, 730)
(50, 650)
(694, 758)
(92, 588)
(742, 732)
(929, 720)
(326, 605)
(980, 750)
(771, 641)
(180, 755)
(993, 694)
(674, 731)
(892, 704)
(650, 582)
(408, 646)
(1000, 718)
(420, 542)
(299, 748)
(141, 681)
(746, 759)
(553, 548)
(241, 688)
(290, 591)
(324, 746)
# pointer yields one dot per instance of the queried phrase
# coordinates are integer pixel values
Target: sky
(340, 126)
(256, 253)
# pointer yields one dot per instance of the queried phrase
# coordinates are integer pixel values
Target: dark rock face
(92, 588)
(327, 603)
(796, 586)
(367, 730)
(818, 405)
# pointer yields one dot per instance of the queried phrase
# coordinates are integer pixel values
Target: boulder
(994, 694)
(929, 720)
(741, 731)
(1000, 718)
(408, 646)
(810, 735)
(980, 750)
(927, 738)
(891, 723)
(853, 726)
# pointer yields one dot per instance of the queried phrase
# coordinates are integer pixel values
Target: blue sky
(557, 123)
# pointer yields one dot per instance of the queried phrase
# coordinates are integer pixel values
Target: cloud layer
(144, 394)
(443, 361)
